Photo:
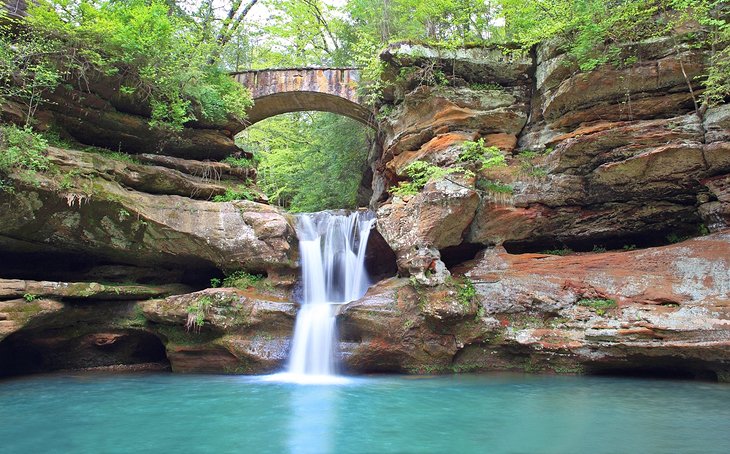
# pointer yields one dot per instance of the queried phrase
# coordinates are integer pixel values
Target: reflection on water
(463, 414)
(314, 414)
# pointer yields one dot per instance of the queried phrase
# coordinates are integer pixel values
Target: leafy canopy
(309, 161)
(153, 55)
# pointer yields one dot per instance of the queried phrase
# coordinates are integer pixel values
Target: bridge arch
(278, 91)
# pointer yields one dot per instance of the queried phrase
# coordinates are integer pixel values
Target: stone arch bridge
(277, 91)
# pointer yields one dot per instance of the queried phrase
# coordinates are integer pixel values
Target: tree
(309, 161)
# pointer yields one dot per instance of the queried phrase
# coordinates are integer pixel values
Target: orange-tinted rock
(389, 330)
(663, 308)
(505, 142)
(442, 150)
(427, 110)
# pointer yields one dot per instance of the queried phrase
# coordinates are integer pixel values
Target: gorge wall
(106, 262)
(618, 164)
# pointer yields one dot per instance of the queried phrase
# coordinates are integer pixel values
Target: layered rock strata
(613, 157)
(657, 310)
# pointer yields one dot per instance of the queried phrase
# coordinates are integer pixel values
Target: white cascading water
(332, 248)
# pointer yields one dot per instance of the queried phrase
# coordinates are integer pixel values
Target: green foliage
(239, 193)
(449, 22)
(420, 173)
(23, 150)
(629, 247)
(116, 155)
(485, 157)
(29, 297)
(243, 280)
(157, 57)
(494, 186)
(598, 249)
(561, 252)
(466, 292)
(599, 305)
(309, 161)
(242, 163)
(27, 73)
(215, 282)
(196, 313)
(527, 165)
(593, 31)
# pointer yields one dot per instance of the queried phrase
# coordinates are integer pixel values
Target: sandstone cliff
(106, 262)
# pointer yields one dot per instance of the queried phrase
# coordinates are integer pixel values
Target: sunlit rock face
(616, 156)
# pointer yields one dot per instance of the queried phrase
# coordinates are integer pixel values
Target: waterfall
(332, 248)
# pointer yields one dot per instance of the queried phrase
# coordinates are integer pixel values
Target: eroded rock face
(619, 154)
(224, 330)
(434, 219)
(70, 329)
(88, 207)
(659, 308)
(102, 115)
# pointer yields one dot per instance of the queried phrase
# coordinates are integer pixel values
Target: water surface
(460, 414)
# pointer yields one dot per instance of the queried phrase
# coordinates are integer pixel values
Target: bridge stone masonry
(278, 91)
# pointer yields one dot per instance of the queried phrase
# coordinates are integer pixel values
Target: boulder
(394, 328)
(434, 219)
(224, 330)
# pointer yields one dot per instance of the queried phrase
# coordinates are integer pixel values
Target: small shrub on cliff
(197, 312)
(467, 292)
(240, 193)
(23, 149)
(243, 280)
(599, 305)
(420, 173)
(29, 297)
(485, 157)
(243, 163)
(494, 186)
